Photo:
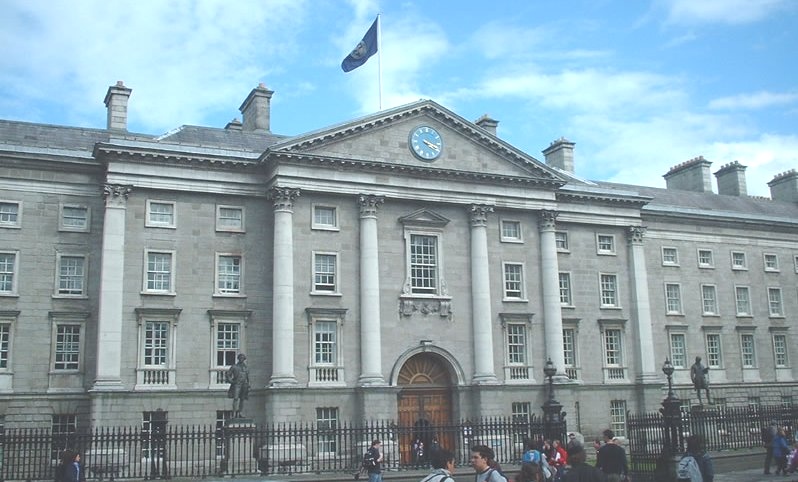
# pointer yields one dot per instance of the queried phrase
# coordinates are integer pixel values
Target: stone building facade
(406, 265)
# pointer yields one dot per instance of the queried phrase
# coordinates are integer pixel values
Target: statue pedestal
(239, 446)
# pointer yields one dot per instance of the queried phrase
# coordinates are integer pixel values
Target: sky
(639, 85)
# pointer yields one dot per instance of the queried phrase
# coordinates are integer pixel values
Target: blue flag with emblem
(363, 50)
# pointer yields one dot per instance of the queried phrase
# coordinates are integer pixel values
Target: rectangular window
(327, 426)
(709, 300)
(747, 350)
(159, 272)
(565, 289)
(705, 258)
(228, 343)
(609, 290)
(63, 427)
(230, 218)
(511, 231)
(780, 350)
(74, 218)
(153, 423)
(71, 275)
(521, 411)
(156, 344)
(673, 298)
(325, 267)
(670, 257)
(714, 355)
(795, 262)
(618, 417)
(325, 217)
(424, 264)
(325, 344)
(222, 416)
(513, 281)
(516, 344)
(742, 300)
(774, 302)
(561, 240)
(738, 260)
(160, 214)
(613, 355)
(9, 214)
(228, 274)
(771, 262)
(8, 273)
(569, 352)
(5, 345)
(605, 243)
(67, 347)
(678, 351)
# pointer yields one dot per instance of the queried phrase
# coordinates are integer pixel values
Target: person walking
(768, 435)
(611, 458)
(697, 452)
(780, 451)
(375, 468)
(69, 470)
(579, 471)
(442, 466)
(483, 460)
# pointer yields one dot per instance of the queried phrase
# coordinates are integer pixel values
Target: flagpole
(379, 56)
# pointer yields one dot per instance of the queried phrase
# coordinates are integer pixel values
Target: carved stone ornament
(547, 219)
(479, 214)
(116, 194)
(425, 307)
(369, 204)
(635, 234)
(283, 198)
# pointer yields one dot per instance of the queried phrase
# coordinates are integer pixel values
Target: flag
(363, 50)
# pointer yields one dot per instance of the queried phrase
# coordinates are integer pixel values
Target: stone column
(283, 288)
(480, 297)
(370, 326)
(112, 274)
(641, 307)
(550, 279)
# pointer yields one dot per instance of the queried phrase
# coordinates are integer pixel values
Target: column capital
(479, 214)
(634, 234)
(283, 198)
(547, 219)
(368, 205)
(116, 194)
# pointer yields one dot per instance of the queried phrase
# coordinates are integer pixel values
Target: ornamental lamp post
(671, 413)
(553, 417)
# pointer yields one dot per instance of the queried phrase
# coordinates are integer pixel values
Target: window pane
(513, 281)
(7, 262)
(516, 344)
(674, 298)
(747, 346)
(780, 350)
(67, 347)
(229, 274)
(156, 337)
(608, 288)
(511, 229)
(324, 216)
(708, 299)
(162, 213)
(678, 356)
(324, 274)
(561, 240)
(5, 338)
(70, 275)
(159, 271)
(569, 347)
(74, 217)
(227, 343)
(713, 350)
(9, 213)
(612, 347)
(231, 218)
(423, 263)
(565, 289)
(743, 304)
(325, 342)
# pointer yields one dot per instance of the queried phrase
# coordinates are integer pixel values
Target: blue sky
(639, 86)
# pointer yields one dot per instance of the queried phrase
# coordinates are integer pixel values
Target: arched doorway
(425, 406)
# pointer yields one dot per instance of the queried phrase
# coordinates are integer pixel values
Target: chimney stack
(116, 102)
(487, 123)
(692, 175)
(784, 187)
(560, 154)
(731, 179)
(256, 110)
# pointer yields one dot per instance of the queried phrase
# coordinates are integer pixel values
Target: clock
(426, 143)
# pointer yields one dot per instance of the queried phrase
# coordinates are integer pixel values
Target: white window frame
(507, 296)
(704, 264)
(14, 273)
(714, 350)
(677, 343)
(217, 278)
(59, 275)
(602, 250)
(6, 214)
(739, 266)
(323, 373)
(225, 347)
(222, 226)
(670, 256)
(771, 262)
(616, 299)
(673, 299)
(327, 423)
(62, 216)
(62, 427)
(336, 274)
(781, 355)
(151, 223)
(515, 325)
(439, 264)
(618, 417)
(159, 376)
(613, 358)
(172, 265)
(775, 302)
(737, 301)
(8, 320)
(322, 226)
(64, 348)
(519, 238)
(561, 241)
(744, 349)
(707, 310)
(571, 353)
(566, 292)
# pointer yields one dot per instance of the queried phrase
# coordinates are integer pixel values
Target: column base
(649, 378)
(485, 379)
(282, 382)
(371, 381)
(107, 386)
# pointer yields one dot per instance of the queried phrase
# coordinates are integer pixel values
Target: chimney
(784, 187)
(487, 123)
(255, 109)
(692, 175)
(560, 154)
(233, 125)
(731, 179)
(116, 102)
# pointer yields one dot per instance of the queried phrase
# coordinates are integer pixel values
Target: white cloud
(756, 100)
(732, 12)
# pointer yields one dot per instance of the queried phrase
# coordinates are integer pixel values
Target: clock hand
(431, 145)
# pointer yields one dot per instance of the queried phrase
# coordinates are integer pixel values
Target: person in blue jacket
(781, 450)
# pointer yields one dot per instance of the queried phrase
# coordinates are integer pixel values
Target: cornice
(593, 197)
(141, 154)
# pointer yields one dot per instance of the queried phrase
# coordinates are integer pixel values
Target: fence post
(553, 416)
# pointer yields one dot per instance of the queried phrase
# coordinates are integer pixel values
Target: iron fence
(246, 449)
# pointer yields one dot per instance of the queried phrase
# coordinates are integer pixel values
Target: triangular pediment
(383, 141)
(424, 218)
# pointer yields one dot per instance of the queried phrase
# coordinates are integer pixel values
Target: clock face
(426, 143)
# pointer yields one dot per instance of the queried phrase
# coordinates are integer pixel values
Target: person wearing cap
(572, 440)
(580, 471)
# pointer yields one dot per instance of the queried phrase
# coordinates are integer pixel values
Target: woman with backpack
(696, 464)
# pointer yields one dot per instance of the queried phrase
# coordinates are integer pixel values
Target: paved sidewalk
(754, 475)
